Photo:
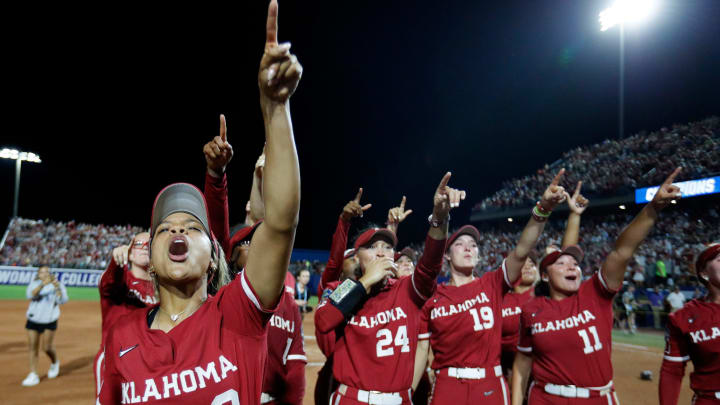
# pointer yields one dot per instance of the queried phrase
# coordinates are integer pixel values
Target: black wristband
(347, 296)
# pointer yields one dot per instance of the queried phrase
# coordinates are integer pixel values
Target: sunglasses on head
(141, 245)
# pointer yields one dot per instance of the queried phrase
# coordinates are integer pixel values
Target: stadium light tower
(18, 156)
(620, 13)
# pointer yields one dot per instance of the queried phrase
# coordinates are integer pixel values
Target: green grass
(17, 292)
(648, 339)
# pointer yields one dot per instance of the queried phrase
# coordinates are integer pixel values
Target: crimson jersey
(463, 323)
(216, 356)
(693, 333)
(285, 351)
(570, 339)
(511, 309)
(375, 348)
(121, 293)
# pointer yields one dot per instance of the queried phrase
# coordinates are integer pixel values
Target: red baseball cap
(375, 233)
(241, 235)
(710, 252)
(550, 258)
(464, 230)
(407, 251)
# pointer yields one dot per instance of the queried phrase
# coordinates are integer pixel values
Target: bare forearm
(281, 188)
(526, 243)
(627, 243)
(37, 289)
(520, 374)
(572, 231)
(257, 207)
(421, 356)
(636, 232)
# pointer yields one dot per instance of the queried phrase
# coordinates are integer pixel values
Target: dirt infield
(78, 338)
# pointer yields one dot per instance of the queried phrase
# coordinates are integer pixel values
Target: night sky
(119, 101)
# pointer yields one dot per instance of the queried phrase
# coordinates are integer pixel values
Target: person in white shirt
(676, 299)
(46, 294)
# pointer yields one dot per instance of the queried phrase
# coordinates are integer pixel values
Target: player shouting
(524, 289)
(566, 338)
(192, 348)
(463, 319)
(693, 333)
(376, 318)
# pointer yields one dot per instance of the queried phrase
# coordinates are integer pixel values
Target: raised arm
(61, 296)
(272, 242)
(257, 206)
(614, 267)
(397, 215)
(218, 154)
(577, 205)
(333, 270)
(424, 278)
(552, 196)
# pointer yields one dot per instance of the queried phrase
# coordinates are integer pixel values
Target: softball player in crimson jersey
(284, 381)
(376, 318)
(463, 319)
(566, 338)
(125, 286)
(192, 348)
(524, 289)
(693, 333)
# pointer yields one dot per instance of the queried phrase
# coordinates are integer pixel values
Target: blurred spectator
(628, 300)
(676, 299)
(660, 273)
(62, 244)
(617, 166)
(302, 291)
(657, 304)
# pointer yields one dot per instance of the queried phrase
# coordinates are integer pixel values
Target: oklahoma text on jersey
(186, 380)
(381, 318)
(570, 322)
(457, 308)
(703, 336)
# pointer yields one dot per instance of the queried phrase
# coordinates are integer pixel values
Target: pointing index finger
(402, 203)
(444, 181)
(674, 174)
(577, 189)
(271, 27)
(223, 128)
(359, 194)
(557, 178)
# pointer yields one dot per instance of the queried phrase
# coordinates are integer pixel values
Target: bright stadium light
(621, 13)
(627, 11)
(18, 157)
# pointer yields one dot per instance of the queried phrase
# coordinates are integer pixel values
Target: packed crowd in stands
(62, 244)
(616, 167)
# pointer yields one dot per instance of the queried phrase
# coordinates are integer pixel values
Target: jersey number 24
(384, 346)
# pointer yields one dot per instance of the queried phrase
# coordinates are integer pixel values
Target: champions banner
(690, 188)
(15, 275)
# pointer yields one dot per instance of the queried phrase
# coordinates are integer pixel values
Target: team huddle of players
(194, 314)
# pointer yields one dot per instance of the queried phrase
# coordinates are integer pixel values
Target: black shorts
(40, 327)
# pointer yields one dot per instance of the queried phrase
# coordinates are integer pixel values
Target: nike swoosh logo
(135, 282)
(124, 352)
